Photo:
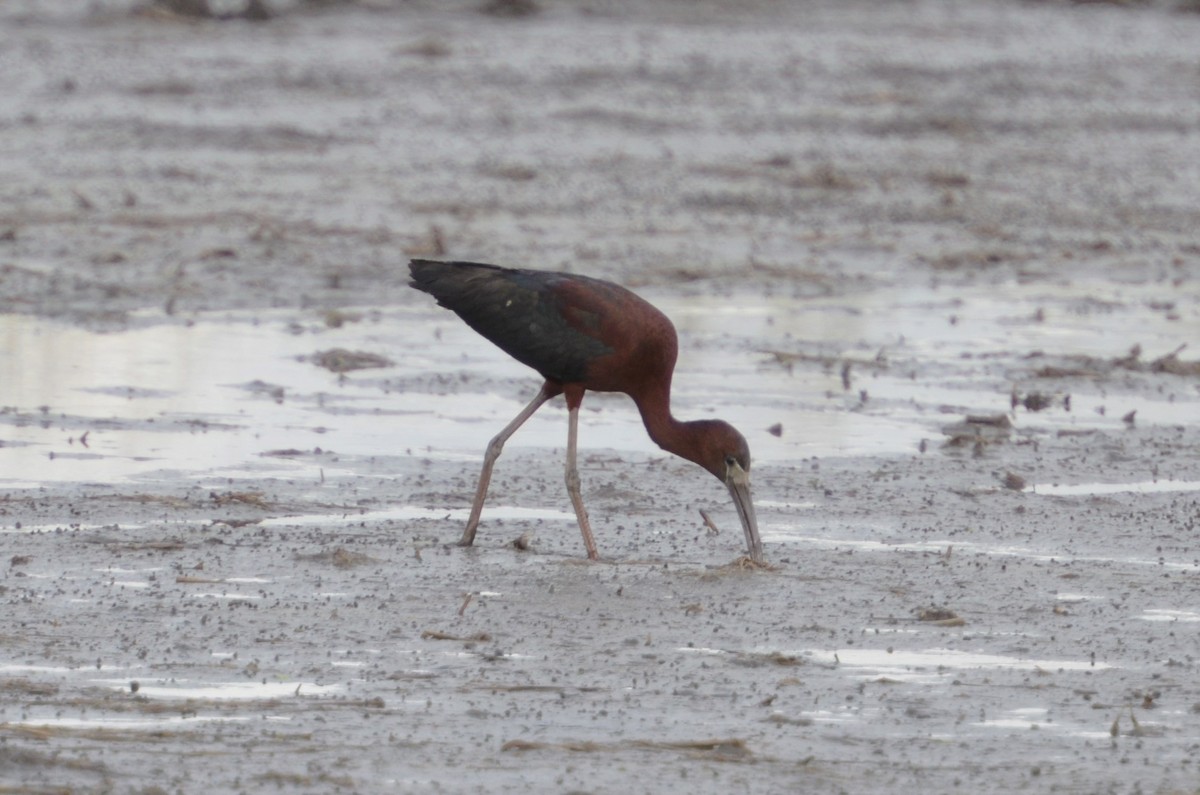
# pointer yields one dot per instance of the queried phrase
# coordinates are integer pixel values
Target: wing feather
(526, 313)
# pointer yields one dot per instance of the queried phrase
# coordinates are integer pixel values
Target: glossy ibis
(582, 333)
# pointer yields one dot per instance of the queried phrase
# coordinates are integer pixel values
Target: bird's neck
(667, 432)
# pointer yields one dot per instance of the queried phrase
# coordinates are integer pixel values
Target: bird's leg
(493, 452)
(573, 480)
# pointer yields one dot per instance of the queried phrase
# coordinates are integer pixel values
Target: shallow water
(215, 397)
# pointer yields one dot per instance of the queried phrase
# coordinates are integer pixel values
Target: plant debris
(434, 634)
(1083, 366)
(940, 617)
(340, 360)
(728, 750)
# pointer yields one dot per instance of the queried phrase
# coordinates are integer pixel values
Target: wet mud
(936, 261)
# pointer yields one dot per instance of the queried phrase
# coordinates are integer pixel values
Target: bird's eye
(730, 460)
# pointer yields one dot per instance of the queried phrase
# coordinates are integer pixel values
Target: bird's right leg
(493, 452)
(585, 526)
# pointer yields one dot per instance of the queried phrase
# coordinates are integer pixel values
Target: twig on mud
(758, 660)
(255, 498)
(172, 545)
(496, 687)
(1094, 367)
(1170, 363)
(236, 523)
(340, 360)
(729, 750)
(940, 617)
(435, 634)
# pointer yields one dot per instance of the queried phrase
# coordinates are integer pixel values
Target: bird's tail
(442, 278)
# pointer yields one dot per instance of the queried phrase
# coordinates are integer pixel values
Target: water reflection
(212, 396)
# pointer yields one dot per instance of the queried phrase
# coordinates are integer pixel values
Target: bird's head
(722, 448)
(724, 453)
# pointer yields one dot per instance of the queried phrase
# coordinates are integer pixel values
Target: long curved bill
(738, 482)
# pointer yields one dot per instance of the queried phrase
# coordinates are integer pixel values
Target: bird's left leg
(494, 447)
(574, 398)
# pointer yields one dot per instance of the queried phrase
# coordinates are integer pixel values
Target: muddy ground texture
(1012, 605)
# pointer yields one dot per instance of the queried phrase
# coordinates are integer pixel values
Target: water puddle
(239, 395)
(1171, 616)
(774, 535)
(924, 666)
(226, 691)
(194, 693)
(176, 688)
(933, 665)
(113, 723)
(171, 689)
(1075, 598)
(412, 512)
(1040, 719)
(1097, 489)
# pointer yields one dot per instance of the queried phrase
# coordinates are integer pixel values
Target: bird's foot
(745, 562)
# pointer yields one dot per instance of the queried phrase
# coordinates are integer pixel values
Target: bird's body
(582, 333)
(571, 329)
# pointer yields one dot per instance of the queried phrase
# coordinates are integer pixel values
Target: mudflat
(937, 261)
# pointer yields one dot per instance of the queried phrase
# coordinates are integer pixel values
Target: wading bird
(582, 333)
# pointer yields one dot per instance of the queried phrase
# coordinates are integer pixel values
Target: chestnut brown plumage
(582, 333)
